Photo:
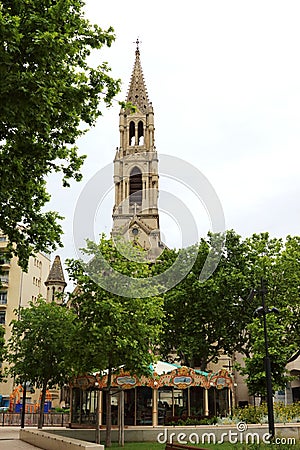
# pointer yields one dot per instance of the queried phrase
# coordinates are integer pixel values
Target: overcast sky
(223, 77)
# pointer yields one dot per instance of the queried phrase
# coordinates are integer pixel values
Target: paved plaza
(9, 440)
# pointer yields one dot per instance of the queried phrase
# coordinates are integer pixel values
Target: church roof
(137, 92)
(141, 224)
(56, 274)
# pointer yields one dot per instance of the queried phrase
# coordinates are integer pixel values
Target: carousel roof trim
(170, 375)
(162, 367)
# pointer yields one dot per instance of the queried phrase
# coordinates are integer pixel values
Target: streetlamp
(263, 311)
(26, 385)
(98, 412)
(23, 405)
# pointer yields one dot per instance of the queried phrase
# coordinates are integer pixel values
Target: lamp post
(23, 405)
(26, 385)
(263, 311)
(98, 413)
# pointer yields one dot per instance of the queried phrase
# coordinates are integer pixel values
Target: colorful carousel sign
(179, 377)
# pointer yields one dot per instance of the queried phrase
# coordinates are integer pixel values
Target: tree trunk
(42, 403)
(203, 365)
(108, 410)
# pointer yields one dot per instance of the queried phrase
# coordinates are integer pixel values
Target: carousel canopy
(162, 367)
(163, 374)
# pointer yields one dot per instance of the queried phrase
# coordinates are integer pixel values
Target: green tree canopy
(278, 262)
(206, 319)
(48, 96)
(201, 316)
(41, 347)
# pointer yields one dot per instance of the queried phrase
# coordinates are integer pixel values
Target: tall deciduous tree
(278, 262)
(41, 347)
(201, 316)
(48, 96)
(208, 318)
(118, 331)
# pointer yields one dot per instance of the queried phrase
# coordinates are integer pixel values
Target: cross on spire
(137, 42)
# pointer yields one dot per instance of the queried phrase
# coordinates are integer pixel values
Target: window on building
(3, 298)
(3, 260)
(135, 187)
(37, 263)
(4, 278)
(36, 281)
(2, 317)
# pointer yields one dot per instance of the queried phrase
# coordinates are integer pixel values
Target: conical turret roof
(137, 92)
(56, 274)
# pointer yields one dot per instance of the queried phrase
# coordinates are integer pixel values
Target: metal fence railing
(31, 419)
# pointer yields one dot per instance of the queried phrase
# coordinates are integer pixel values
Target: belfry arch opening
(141, 133)
(131, 133)
(135, 186)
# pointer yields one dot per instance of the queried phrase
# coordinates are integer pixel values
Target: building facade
(17, 290)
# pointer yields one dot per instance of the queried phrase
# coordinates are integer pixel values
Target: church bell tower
(135, 213)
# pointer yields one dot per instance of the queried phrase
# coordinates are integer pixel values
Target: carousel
(170, 393)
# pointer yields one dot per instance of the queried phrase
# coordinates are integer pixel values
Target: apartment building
(18, 288)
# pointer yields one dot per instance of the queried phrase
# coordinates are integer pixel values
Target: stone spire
(137, 93)
(56, 281)
(135, 213)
